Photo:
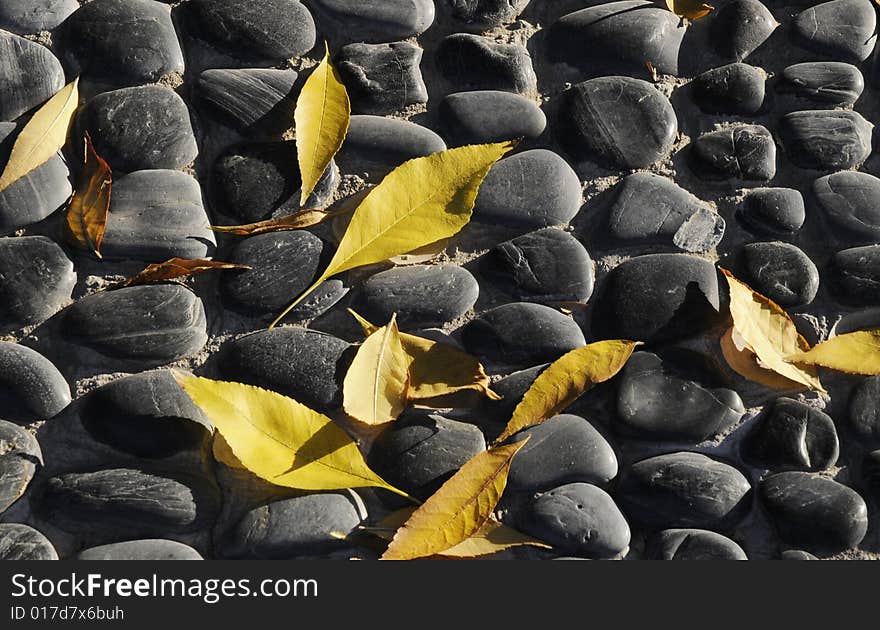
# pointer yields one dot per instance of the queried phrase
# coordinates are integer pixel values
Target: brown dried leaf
(295, 221)
(175, 268)
(90, 204)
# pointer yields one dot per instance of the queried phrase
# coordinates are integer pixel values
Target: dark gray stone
(851, 202)
(264, 359)
(149, 325)
(19, 458)
(578, 519)
(283, 265)
(780, 271)
(36, 279)
(564, 449)
(659, 297)
(544, 266)
(775, 211)
(684, 490)
(816, 513)
(125, 42)
(35, 196)
(858, 320)
(493, 415)
(382, 78)
(156, 215)
(534, 189)
(479, 63)
(421, 295)
(273, 29)
(22, 542)
(840, 29)
(740, 27)
(377, 20)
(825, 140)
(617, 38)
(310, 525)
(149, 549)
(522, 333)
(322, 299)
(692, 544)
(422, 449)
(29, 75)
(485, 116)
(736, 88)
(854, 275)
(790, 434)
(31, 388)
(650, 208)
(487, 13)
(827, 83)
(619, 122)
(737, 152)
(32, 16)
(141, 128)
(864, 411)
(249, 99)
(871, 474)
(387, 141)
(656, 403)
(796, 554)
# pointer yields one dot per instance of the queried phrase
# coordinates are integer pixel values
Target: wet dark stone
(864, 411)
(790, 434)
(263, 359)
(382, 78)
(654, 402)
(249, 99)
(422, 449)
(36, 279)
(825, 140)
(684, 490)
(775, 211)
(827, 83)
(140, 128)
(659, 297)
(522, 333)
(534, 188)
(851, 202)
(617, 38)
(650, 208)
(578, 519)
(476, 62)
(273, 29)
(31, 387)
(485, 116)
(840, 29)
(308, 525)
(376, 20)
(619, 122)
(780, 271)
(19, 458)
(32, 16)
(737, 152)
(736, 88)
(125, 42)
(149, 549)
(544, 266)
(22, 542)
(283, 265)
(692, 544)
(29, 75)
(740, 27)
(487, 13)
(387, 141)
(855, 275)
(421, 295)
(816, 513)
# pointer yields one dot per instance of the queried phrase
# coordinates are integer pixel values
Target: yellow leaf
(322, 115)
(769, 332)
(420, 202)
(743, 361)
(281, 440)
(295, 221)
(689, 9)
(43, 135)
(566, 379)
(376, 384)
(422, 254)
(90, 203)
(437, 369)
(855, 353)
(223, 453)
(458, 509)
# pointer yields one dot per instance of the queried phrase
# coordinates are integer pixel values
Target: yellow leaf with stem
(854, 353)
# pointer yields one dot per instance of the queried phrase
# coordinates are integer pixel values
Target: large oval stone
(32, 16)
(850, 201)
(825, 140)
(737, 152)
(485, 116)
(692, 544)
(149, 549)
(790, 434)
(19, 458)
(23, 542)
(855, 275)
(29, 75)
(31, 387)
(780, 271)
(479, 63)
(864, 411)
(377, 20)
(249, 99)
(736, 88)
(773, 210)
(373, 140)
(487, 13)
(840, 29)
(828, 83)
(382, 78)
(740, 27)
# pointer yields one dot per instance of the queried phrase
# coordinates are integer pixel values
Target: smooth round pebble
(736, 88)
(248, 99)
(20, 456)
(375, 20)
(828, 83)
(841, 29)
(23, 542)
(780, 271)
(29, 75)
(485, 116)
(382, 78)
(824, 140)
(31, 387)
(741, 151)
(486, 13)
(790, 434)
(692, 544)
(479, 63)
(864, 411)
(851, 202)
(149, 549)
(33, 16)
(773, 210)
(388, 142)
(740, 27)
(854, 275)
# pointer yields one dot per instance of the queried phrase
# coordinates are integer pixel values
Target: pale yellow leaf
(422, 254)
(690, 9)
(43, 135)
(742, 360)
(376, 384)
(322, 116)
(420, 202)
(854, 353)
(769, 333)
(458, 509)
(566, 379)
(281, 440)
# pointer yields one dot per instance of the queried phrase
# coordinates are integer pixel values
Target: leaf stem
(303, 296)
